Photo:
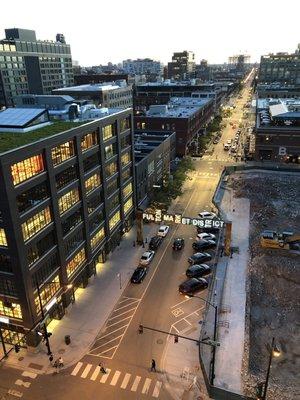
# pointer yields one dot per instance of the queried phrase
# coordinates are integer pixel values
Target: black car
(139, 274)
(208, 230)
(178, 244)
(198, 270)
(193, 285)
(155, 242)
(198, 258)
(204, 244)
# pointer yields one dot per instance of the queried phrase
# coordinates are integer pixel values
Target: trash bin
(67, 339)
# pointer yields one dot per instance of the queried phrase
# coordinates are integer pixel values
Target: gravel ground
(273, 300)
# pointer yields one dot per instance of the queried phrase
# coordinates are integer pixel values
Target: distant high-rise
(182, 66)
(28, 65)
(144, 66)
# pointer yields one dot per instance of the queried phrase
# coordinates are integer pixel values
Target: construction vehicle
(275, 240)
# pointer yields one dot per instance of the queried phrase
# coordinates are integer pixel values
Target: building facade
(28, 65)
(65, 202)
(183, 66)
(145, 66)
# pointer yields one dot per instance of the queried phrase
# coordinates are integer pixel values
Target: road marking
(135, 384)
(117, 316)
(177, 312)
(104, 344)
(157, 389)
(125, 381)
(76, 369)
(105, 376)
(129, 304)
(15, 393)
(95, 373)
(116, 323)
(146, 386)
(105, 351)
(110, 333)
(183, 301)
(19, 382)
(115, 378)
(28, 374)
(86, 371)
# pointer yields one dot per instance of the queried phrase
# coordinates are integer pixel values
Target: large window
(89, 140)
(97, 238)
(91, 162)
(113, 202)
(127, 190)
(73, 242)
(62, 152)
(68, 200)
(36, 223)
(128, 205)
(96, 220)
(111, 169)
(125, 142)
(76, 262)
(112, 186)
(45, 270)
(5, 263)
(114, 220)
(3, 241)
(110, 151)
(94, 202)
(32, 197)
(8, 287)
(124, 124)
(92, 182)
(9, 309)
(107, 132)
(71, 222)
(26, 169)
(125, 159)
(47, 293)
(65, 177)
(126, 174)
(38, 249)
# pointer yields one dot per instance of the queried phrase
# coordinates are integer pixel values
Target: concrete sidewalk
(85, 318)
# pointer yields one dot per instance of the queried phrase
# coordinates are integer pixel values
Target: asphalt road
(156, 303)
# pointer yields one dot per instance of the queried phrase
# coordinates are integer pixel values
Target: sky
(100, 31)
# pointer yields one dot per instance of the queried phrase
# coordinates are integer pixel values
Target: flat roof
(178, 107)
(95, 87)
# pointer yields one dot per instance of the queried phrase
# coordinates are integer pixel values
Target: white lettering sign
(282, 151)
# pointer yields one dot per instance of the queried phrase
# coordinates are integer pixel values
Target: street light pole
(275, 352)
(3, 344)
(46, 337)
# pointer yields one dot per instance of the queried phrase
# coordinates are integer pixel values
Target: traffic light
(17, 348)
(141, 329)
(175, 338)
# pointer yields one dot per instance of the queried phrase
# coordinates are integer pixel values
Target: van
(226, 146)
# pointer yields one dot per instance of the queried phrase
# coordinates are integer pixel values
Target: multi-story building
(182, 66)
(84, 79)
(144, 66)
(277, 91)
(110, 94)
(154, 152)
(28, 65)
(66, 198)
(184, 115)
(282, 68)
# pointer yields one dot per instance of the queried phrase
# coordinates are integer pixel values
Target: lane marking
(183, 301)
(115, 378)
(105, 351)
(146, 386)
(76, 369)
(135, 384)
(157, 389)
(86, 371)
(15, 393)
(29, 374)
(105, 376)
(101, 345)
(110, 333)
(95, 373)
(116, 323)
(127, 305)
(19, 382)
(125, 312)
(125, 381)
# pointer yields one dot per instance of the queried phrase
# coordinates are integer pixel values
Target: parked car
(205, 235)
(163, 231)
(198, 258)
(198, 270)
(193, 285)
(208, 230)
(204, 244)
(139, 274)
(178, 244)
(155, 242)
(207, 215)
(147, 257)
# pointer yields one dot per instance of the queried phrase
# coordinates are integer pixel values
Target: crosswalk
(227, 159)
(207, 174)
(125, 381)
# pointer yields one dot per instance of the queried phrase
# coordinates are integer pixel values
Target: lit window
(3, 241)
(10, 309)
(107, 132)
(62, 152)
(89, 140)
(47, 293)
(114, 220)
(76, 262)
(36, 223)
(110, 151)
(97, 238)
(124, 124)
(68, 200)
(92, 182)
(127, 189)
(125, 159)
(128, 205)
(111, 169)
(26, 169)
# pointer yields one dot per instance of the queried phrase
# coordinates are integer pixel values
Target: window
(126, 174)
(114, 220)
(97, 238)
(45, 270)
(3, 241)
(112, 186)
(76, 262)
(65, 177)
(71, 222)
(68, 200)
(108, 131)
(72, 243)
(125, 142)
(62, 152)
(92, 182)
(26, 169)
(7, 287)
(124, 124)
(47, 293)
(32, 197)
(91, 162)
(127, 189)
(128, 205)
(36, 223)
(5, 263)
(113, 202)
(38, 249)
(95, 221)
(125, 159)
(110, 151)
(89, 140)
(94, 202)
(10, 309)
(111, 169)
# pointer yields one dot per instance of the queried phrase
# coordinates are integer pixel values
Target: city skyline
(123, 36)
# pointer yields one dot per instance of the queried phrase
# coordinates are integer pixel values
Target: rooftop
(95, 87)
(178, 107)
(278, 113)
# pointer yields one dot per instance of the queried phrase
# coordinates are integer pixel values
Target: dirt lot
(273, 296)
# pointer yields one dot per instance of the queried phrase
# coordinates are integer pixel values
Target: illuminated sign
(4, 320)
(179, 219)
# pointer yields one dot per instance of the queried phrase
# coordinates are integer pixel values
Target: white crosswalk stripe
(115, 378)
(86, 371)
(156, 389)
(77, 368)
(95, 373)
(146, 386)
(135, 384)
(125, 381)
(105, 376)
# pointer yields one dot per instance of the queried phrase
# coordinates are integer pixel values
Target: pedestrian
(102, 369)
(153, 365)
(60, 362)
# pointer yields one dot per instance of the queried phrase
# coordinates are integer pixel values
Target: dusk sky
(101, 31)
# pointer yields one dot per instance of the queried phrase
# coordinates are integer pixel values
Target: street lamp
(215, 334)
(274, 352)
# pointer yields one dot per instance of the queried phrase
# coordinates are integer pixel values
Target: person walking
(153, 365)
(102, 369)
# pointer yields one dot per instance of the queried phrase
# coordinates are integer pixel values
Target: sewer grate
(35, 366)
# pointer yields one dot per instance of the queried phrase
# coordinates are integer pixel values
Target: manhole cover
(61, 351)
(20, 358)
(159, 341)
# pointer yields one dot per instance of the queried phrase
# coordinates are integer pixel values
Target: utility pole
(3, 344)
(45, 332)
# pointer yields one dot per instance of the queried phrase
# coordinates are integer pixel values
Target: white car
(163, 231)
(229, 141)
(147, 257)
(206, 236)
(207, 215)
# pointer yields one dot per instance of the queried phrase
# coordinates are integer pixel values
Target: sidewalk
(85, 318)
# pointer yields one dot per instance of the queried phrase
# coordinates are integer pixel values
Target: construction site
(273, 281)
